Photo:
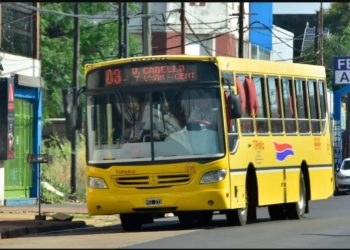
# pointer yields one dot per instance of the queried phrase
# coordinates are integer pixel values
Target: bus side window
(302, 106)
(314, 107)
(261, 113)
(288, 106)
(274, 104)
(247, 126)
(322, 97)
(231, 124)
(241, 93)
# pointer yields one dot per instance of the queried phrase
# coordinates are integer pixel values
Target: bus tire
(251, 196)
(336, 191)
(237, 217)
(296, 210)
(131, 222)
(277, 211)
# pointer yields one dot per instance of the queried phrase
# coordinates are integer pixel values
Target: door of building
(18, 173)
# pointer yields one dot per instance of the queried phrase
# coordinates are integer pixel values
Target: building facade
(260, 30)
(20, 62)
(211, 28)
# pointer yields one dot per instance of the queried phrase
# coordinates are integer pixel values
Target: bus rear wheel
(296, 210)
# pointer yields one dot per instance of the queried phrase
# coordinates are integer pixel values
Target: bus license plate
(153, 202)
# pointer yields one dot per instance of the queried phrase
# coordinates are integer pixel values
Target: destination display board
(143, 73)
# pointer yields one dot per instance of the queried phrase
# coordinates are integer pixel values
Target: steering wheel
(198, 125)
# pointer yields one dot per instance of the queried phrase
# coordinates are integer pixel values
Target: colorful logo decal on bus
(283, 150)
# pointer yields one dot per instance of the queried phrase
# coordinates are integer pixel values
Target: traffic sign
(341, 67)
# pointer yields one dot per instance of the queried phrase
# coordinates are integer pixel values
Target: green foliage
(337, 17)
(333, 46)
(57, 173)
(337, 20)
(98, 41)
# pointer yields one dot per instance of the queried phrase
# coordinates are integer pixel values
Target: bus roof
(239, 65)
(253, 66)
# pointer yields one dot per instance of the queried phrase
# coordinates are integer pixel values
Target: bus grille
(152, 181)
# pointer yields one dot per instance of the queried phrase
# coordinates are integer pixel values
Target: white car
(342, 177)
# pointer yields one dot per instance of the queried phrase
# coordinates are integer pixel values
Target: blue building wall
(260, 23)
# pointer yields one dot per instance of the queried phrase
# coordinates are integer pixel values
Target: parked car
(342, 177)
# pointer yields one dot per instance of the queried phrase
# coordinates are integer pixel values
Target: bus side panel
(320, 168)
(238, 194)
(321, 182)
(292, 185)
(239, 162)
(271, 186)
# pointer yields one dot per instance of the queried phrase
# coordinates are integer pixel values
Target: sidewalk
(17, 221)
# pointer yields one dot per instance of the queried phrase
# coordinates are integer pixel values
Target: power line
(84, 16)
(268, 28)
(137, 15)
(189, 26)
(298, 57)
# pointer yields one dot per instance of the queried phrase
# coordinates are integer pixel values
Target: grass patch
(58, 172)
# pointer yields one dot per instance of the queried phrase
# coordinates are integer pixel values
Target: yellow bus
(194, 135)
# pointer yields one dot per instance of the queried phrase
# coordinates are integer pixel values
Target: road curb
(54, 225)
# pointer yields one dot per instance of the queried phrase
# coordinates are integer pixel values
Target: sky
(298, 7)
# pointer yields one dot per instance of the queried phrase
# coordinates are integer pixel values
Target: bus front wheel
(237, 217)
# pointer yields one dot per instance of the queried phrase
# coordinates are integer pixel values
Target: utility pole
(182, 17)
(240, 29)
(126, 34)
(146, 29)
(75, 86)
(317, 34)
(120, 27)
(321, 35)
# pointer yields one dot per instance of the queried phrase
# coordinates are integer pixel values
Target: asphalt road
(326, 226)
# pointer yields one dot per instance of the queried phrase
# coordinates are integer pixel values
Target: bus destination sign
(143, 74)
(152, 73)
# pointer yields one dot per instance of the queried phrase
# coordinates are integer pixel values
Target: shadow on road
(171, 224)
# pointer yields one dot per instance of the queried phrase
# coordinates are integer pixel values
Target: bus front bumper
(101, 202)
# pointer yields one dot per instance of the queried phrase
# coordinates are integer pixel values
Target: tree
(337, 17)
(335, 45)
(338, 44)
(98, 41)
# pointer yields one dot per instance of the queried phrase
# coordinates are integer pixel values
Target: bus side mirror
(236, 109)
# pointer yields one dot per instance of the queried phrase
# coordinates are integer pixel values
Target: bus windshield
(167, 123)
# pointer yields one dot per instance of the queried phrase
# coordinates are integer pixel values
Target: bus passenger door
(237, 174)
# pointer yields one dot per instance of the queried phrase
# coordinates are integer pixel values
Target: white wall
(282, 49)
(20, 65)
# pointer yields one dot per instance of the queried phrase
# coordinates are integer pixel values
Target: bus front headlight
(213, 176)
(96, 182)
